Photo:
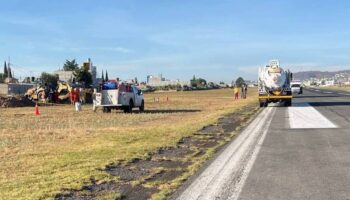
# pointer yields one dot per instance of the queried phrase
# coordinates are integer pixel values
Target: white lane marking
(317, 90)
(225, 170)
(328, 92)
(239, 186)
(303, 115)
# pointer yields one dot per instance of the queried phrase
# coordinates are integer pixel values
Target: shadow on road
(319, 104)
(166, 111)
(317, 96)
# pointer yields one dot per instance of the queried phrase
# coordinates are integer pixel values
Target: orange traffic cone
(37, 109)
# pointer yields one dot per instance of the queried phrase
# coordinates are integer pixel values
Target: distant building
(157, 81)
(92, 69)
(14, 88)
(68, 76)
(65, 76)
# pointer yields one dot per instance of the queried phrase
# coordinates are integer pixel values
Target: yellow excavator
(36, 93)
(64, 89)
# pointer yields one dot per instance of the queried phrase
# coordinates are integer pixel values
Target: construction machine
(274, 84)
(36, 93)
(63, 90)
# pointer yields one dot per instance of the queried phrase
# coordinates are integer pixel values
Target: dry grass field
(41, 155)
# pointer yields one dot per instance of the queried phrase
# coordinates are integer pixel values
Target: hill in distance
(317, 74)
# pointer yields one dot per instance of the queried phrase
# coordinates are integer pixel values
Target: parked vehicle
(274, 84)
(296, 87)
(113, 95)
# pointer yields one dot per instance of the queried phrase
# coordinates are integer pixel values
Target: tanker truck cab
(123, 96)
(274, 84)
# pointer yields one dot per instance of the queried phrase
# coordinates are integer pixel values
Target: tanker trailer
(274, 84)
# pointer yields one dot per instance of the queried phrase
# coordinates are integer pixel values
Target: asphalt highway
(297, 152)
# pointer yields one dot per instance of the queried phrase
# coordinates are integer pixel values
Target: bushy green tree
(239, 82)
(49, 79)
(70, 65)
(83, 76)
(198, 82)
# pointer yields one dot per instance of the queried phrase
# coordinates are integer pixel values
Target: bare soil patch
(142, 178)
(15, 101)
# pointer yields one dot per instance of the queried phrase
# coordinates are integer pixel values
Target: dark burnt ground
(140, 179)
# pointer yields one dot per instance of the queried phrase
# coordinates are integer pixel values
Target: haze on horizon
(216, 40)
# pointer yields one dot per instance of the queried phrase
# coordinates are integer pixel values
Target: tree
(239, 82)
(5, 70)
(194, 81)
(9, 72)
(2, 77)
(103, 77)
(136, 82)
(70, 65)
(49, 79)
(198, 83)
(107, 79)
(83, 76)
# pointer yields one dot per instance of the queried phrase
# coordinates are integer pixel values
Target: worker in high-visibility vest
(236, 92)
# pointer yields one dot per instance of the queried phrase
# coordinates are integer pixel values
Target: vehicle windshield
(295, 85)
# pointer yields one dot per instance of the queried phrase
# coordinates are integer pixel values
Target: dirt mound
(15, 101)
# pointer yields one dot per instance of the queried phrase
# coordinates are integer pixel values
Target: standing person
(76, 100)
(94, 99)
(236, 92)
(245, 90)
(242, 91)
(72, 95)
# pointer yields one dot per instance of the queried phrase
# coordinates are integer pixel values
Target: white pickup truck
(297, 87)
(113, 95)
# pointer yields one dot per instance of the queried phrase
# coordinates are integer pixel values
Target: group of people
(244, 90)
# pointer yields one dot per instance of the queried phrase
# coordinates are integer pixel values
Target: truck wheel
(142, 107)
(262, 104)
(106, 110)
(287, 103)
(128, 109)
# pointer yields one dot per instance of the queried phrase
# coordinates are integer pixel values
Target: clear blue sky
(214, 39)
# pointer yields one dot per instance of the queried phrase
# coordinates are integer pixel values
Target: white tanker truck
(274, 84)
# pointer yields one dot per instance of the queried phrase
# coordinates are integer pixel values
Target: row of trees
(7, 73)
(200, 83)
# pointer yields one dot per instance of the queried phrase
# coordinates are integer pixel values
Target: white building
(66, 76)
(156, 81)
